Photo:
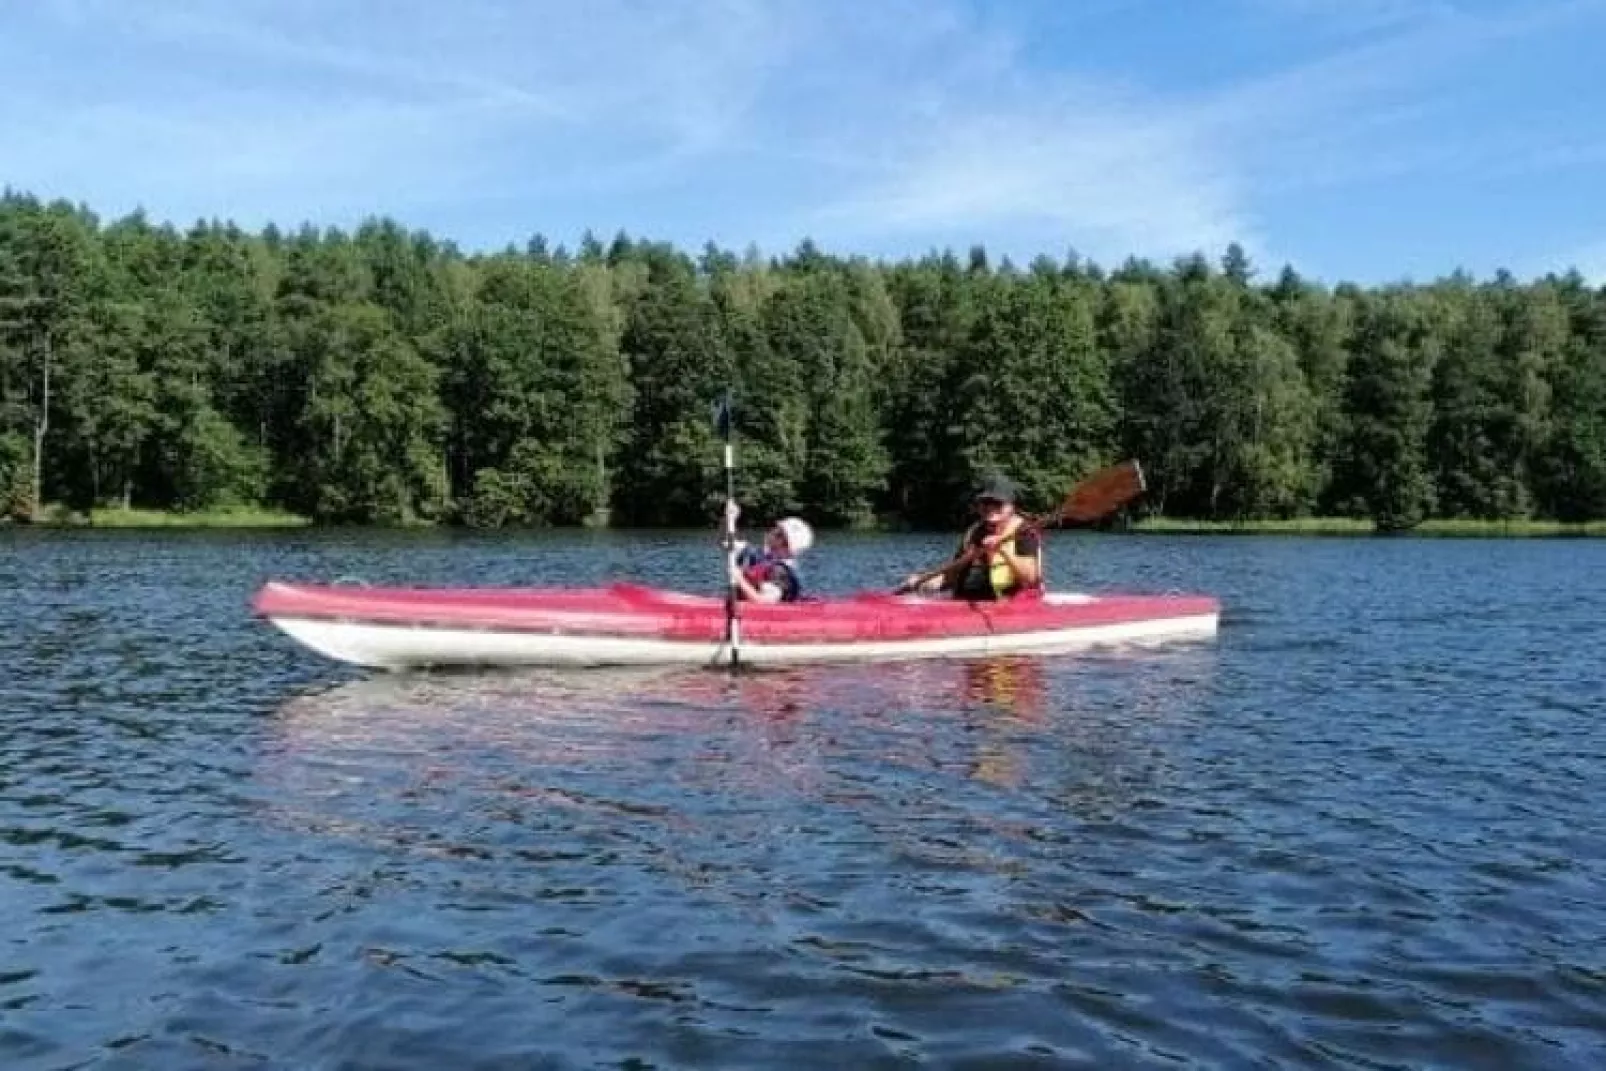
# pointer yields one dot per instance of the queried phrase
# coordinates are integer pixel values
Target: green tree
(45, 254)
(1534, 344)
(1032, 388)
(197, 458)
(772, 405)
(1318, 325)
(1267, 415)
(383, 375)
(1472, 440)
(1389, 413)
(1570, 470)
(110, 404)
(534, 387)
(812, 332)
(1265, 460)
(669, 470)
(936, 306)
(372, 421)
(232, 279)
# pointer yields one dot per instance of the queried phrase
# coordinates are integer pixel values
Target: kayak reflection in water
(1017, 688)
(770, 573)
(996, 558)
(1014, 684)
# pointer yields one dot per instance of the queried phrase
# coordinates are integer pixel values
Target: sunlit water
(1363, 828)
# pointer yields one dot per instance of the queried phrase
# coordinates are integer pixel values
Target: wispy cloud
(1112, 180)
(1344, 94)
(948, 132)
(874, 127)
(1148, 173)
(263, 107)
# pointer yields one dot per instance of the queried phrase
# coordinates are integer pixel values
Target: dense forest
(384, 376)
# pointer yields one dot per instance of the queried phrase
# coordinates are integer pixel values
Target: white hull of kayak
(393, 646)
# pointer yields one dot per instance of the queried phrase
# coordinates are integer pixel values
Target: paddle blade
(1102, 493)
(724, 417)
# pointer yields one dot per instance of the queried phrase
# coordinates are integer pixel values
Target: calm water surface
(1365, 828)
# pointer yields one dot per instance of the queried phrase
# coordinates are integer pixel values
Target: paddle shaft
(1030, 524)
(733, 615)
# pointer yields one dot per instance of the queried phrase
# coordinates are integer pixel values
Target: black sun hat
(995, 486)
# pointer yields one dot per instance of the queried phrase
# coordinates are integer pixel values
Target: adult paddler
(999, 557)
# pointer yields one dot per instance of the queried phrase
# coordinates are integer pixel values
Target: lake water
(1364, 828)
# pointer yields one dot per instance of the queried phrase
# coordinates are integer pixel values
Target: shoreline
(246, 517)
(1439, 528)
(261, 518)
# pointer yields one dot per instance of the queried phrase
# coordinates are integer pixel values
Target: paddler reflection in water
(770, 573)
(997, 557)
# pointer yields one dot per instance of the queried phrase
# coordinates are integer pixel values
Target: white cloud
(1052, 160)
(875, 125)
(289, 110)
(1110, 181)
(1388, 76)
(942, 128)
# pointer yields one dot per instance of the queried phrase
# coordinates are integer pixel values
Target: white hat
(799, 536)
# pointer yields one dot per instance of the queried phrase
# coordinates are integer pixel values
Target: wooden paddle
(1101, 494)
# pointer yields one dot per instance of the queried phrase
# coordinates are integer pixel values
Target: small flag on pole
(724, 416)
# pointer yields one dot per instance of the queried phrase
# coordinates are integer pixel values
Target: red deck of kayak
(628, 610)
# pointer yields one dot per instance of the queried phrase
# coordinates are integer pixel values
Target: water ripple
(1358, 831)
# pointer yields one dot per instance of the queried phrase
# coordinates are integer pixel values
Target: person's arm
(1021, 557)
(733, 513)
(948, 580)
(945, 577)
(764, 592)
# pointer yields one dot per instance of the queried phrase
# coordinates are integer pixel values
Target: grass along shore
(1355, 526)
(229, 517)
(58, 516)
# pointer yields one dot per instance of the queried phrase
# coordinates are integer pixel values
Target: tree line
(384, 376)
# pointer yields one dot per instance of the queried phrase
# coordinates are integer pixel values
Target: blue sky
(1367, 140)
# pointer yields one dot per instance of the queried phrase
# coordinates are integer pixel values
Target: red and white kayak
(625, 624)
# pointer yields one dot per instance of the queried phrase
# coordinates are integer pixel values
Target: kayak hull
(625, 625)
